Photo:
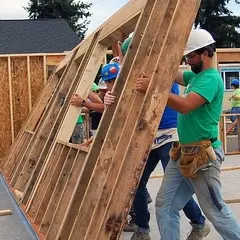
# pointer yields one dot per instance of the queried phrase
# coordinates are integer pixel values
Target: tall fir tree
(215, 17)
(70, 10)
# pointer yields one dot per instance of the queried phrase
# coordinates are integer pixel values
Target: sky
(101, 10)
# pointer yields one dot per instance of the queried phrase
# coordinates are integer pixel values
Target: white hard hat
(102, 85)
(198, 38)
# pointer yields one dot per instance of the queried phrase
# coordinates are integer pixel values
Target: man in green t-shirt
(199, 113)
(235, 98)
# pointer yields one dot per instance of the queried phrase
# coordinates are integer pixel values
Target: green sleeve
(237, 92)
(80, 119)
(187, 75)
(207, 87)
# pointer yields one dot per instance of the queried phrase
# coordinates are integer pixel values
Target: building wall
(22, 77)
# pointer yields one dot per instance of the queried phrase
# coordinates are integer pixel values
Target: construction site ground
(231, 190)
(16, 225)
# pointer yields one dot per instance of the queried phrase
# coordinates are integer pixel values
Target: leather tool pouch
(175, 151)
(193, 157)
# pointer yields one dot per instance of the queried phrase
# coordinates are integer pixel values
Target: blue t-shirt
(169, 118)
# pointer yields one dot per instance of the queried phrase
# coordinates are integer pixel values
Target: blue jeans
(176, 191)
(234, 110)
(191, 210)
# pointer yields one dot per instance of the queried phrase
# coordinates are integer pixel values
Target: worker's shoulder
(212, 75)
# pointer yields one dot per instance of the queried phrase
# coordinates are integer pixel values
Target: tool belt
(193, 156)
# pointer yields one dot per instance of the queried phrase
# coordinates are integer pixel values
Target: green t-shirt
(80, 119)
(202, 123)
(236, 102)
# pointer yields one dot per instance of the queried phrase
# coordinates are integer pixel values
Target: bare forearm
(180, 104)
(94, 98)
(98, 107)
(179, 78)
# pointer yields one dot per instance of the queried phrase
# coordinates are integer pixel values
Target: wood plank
(229, 128)
(20, 91)
(31, 124)
(224, 135)
(45, 74)
(76, 146)
(238, 131)
(131, 11)
(154, 37)
(6, 126)
(84, 178)
(145, 128)
(42, 159)
(5, 212)
(36, 76)
(227, 57)
(67, 155)
(83, 90)
(22, 160)
(10, 97)
(54, 60)
(44, 134)
(65, 197)
(45, 217)
(37, 194)
(32, 54)
(17, 194)
(29, 84)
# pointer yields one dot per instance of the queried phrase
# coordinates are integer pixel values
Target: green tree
(70, 10)
(215, 17)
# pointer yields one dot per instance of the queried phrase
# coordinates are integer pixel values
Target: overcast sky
(101, 10)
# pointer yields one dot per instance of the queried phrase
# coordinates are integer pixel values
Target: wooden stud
(22, 160)
(67, 156)
(31, 124)
(38, 191)
(10, 97)
(45, 69)
(41, 159)
(19, 86)
(66, 223)
(42, 136)
(115, 151)
(111, 28)
(83, 90)
(229, 201)
(61, 208)
(37, 72)
(29, 84)
(146, 126)
(5, 212)
(59, 185)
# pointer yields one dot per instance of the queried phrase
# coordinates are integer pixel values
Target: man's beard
(197, 68)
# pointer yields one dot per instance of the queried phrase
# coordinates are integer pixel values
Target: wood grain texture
(5, 119)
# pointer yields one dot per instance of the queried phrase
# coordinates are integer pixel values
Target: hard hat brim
(187, 51)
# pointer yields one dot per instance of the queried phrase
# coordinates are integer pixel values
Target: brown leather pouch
(175, 151)
(193, 157)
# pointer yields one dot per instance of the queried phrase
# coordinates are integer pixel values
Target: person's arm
(179, 78)
(203, 91)
(236, 97)
(85, 110)
(117, 52)
(77, 101)
(186, 104)
(93, 97)
(97, 107)
(143, 81)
